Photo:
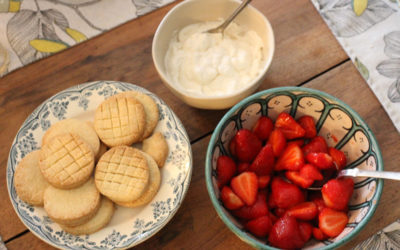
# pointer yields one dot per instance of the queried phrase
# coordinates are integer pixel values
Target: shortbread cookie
(120, 120)
(97, 222)
(122, 174)
(74, 126)
(66, 161)
(72, 207)
(152, 187)
(29, 182)
(157, 147)
(150, 108)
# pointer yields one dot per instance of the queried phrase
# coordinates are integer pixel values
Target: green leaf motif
(361, 67)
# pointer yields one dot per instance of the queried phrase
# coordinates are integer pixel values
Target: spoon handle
(374, 174)
(234, 14)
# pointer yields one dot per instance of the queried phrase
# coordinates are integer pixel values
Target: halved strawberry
(258, 209)
(318, 234)
(284, 194)
(243, 167)
(273, 218)
(247, 145)
(289, 127)
(304, 211)
(259, 227)
(263, 181)
(245, 186)
(337, 192)
(320, 160)
(316, 145)
(332, 222)
(319, 202)
(285, 233)
(309, 171)
(298, 142)
(280, 212)
(226, 169)
(263, 164)
(305, 230)
(230, 199)
(307, 122)
(296, 178)
(263, 128)
(291, 159)
(278, 142)
(338, 157)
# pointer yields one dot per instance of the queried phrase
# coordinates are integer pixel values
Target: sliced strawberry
(291, 159)
(247, 145)
(273, 218)
(316, 145)
(296, 178)
(319, 202)
(263, 164)
(338, 157)
(305, 230)
(263, 181)
(332, 222)
(278, 142)
(298, 142)
(318, 234)
(310, 172)
(320, 160)
(289, 127)
(308, 124)
(226, 169)
(337, 193)
(280, 212)
(284, 194)
(230, 199)
(258, 209)
(232, 147)
(243, 167)
(285, 233)
(304, 211)
(263, 128)
(245, 186)
(259, 227)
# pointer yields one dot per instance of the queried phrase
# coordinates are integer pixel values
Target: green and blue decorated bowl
(339, 124)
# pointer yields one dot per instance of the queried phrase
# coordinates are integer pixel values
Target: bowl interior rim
(208, 169)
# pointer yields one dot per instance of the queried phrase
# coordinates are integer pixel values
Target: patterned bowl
(342, 128)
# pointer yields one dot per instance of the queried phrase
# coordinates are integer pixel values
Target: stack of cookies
(83, 168)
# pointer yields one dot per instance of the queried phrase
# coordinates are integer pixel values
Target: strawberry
(285, 233)
(311, 172)
(273, 218)
(258, 209)
(319, 202)
(305, 230)
(247, 145)
(263, 128)
(230, 199)
(278, 142)
(338, 157)
(289, 127)
(332, 222)
(320, 160)
(296, 178)
(298, 142)
(337, 193)
(316, 145)
(284, 194)
(263, 164)
(280, 212)
(245, 186)
(243, 167)
(226, 169)
(263, 181)
(259, 227)
(304, 211)
(318, 234)
(291, 159)
(232, 147)
(308, 124)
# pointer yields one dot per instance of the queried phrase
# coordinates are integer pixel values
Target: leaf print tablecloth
(372, 41)
(33, 29)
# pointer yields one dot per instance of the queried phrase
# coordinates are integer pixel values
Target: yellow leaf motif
(47, 46)
(76, 35)
(14, 5)
(359, 6)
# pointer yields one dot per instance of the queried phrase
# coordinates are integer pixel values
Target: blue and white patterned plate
(129, 226)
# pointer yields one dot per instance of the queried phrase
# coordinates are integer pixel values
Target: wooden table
(307, 55)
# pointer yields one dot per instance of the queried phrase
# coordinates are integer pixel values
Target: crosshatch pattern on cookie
(66, 160)
(122, 174)
(120, 121)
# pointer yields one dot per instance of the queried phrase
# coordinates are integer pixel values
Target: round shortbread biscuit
(120, 120)
(152, 187)
(122, 174)
(157, 147)
(97, 222)
(72, 207)
(66, 161)
(74, 126)
(29, 182)
(150, 108)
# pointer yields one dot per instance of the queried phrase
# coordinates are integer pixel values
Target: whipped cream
(214, 64)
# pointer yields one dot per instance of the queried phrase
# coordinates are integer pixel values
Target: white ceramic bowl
(195, 11)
